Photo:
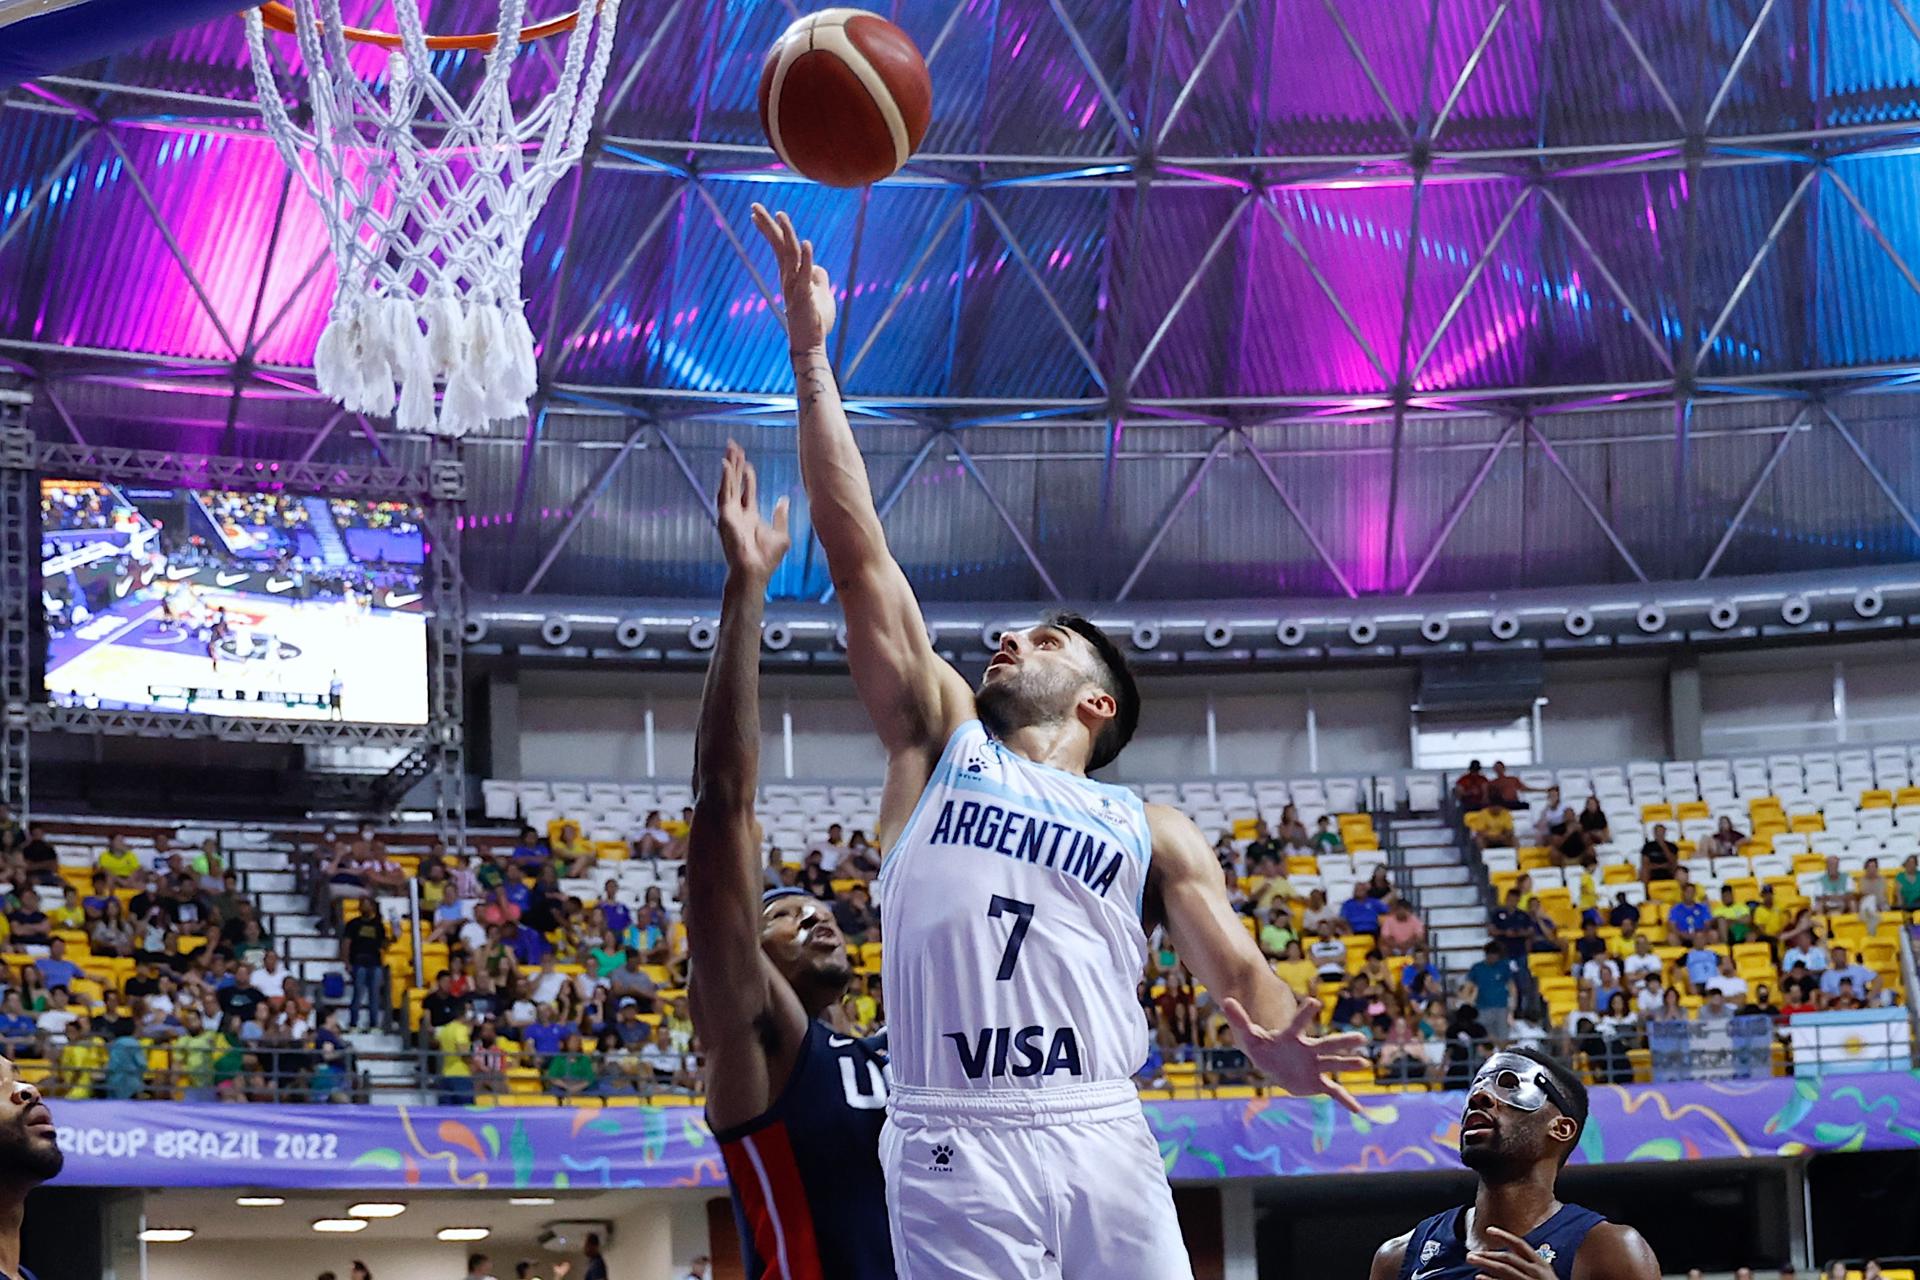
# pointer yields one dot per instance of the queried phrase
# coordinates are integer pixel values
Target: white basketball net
(428, 204)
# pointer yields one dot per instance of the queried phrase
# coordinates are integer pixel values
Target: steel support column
(446, 690)
(16, 572)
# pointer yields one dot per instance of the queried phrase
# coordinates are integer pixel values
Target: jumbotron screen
(233, 603)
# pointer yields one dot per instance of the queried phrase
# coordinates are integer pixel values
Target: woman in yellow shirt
(120, 863)
(1296, 970)
(82, 1061)
(70, 914)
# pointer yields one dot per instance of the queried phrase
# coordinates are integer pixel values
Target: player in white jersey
(1016, 896)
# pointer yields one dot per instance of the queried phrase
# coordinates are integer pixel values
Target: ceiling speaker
(702, 634)
(1868, 602)
(1505, 625)
(1363, 630)
(556, 631)
(1795, 610)
(776, 636)
(1725, 615)
(1218, 634)
(1579, 622)
(630, 634)
(1433, 630)
(1291, 633)
(1146, 636)
(1651, 618)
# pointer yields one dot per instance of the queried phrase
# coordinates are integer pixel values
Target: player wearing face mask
(1523, 1117)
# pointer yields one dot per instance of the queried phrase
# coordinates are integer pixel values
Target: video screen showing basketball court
(262, 604)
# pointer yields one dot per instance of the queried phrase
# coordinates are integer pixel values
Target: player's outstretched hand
(809, 293)
(753, 546)
(1514, 1259)
(1296, 1061)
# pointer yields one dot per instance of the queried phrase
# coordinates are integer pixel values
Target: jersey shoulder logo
(1112, 812)
(1429, 1251)
(1547, 1255)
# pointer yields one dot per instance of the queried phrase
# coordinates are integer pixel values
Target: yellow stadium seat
(1533, 857)
(1302, 864)
(1650, 813)
(612, 850)
(1689, 809)
(1876, 799)
(1618, 873)
(1807, 823)
(1807, 863)
(1667, 891)
(1907, 795)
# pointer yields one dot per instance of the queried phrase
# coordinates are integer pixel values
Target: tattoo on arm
(813, 379)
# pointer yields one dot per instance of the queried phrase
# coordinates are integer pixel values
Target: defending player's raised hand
(809, 292)
(753, 546)
(1296, 1061)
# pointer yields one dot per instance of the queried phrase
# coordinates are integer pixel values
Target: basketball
(845, 97)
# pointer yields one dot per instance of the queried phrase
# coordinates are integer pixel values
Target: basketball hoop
(427, 225)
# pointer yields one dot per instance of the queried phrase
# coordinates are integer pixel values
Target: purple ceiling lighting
(1182, 300)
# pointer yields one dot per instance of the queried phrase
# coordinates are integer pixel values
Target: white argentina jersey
(1010, 905)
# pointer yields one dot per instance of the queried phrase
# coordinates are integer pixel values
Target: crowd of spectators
(151, 974)
(583, 992)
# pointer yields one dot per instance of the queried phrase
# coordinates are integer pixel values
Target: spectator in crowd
(1495, 827)
(570, 1071)
(1269, 886)
(1401, 931)
(1295, 969)
(1490, 988)
(1761, 1004)
(453, 1039)
(1689, 916)
(832, 850)
(1906, 885)
(854, 913)
(1325, 838)
(1512, 927)
(1764, 918)
(38, 858)
(1319, 912)
(1362, 911)
(1421, 979)
(1543, 934)
(1701, 962)
(28, 924)
(1470, 789)
(1468, 1040)
(119, 863)
(1873, 895)
(1643, 962)
(1277, 933)
(1842, 969)
(1713, 1012)
(1727, 981)
(814, 877)
(653, 839)
(1832, 889)
(1264, 853)
(1659, 856)
(1568, 842)
(1623, 913)
(1733, 918)
(56, 971)
(363, 945)
(1589, 944)
(1805, 952)
(1292, 833)
(1726, 839)
(1593, 821)
(1504, 789)
(1380, 885)
(1329, 954)
(1400, 1056)
(632, 981)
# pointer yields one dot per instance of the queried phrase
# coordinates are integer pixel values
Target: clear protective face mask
(1518, 1082)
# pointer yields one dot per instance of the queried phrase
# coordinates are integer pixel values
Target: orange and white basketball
(845, 97)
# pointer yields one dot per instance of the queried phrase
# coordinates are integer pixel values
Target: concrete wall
(588, 725)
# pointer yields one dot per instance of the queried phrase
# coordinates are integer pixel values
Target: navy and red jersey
(809, 1198)
(1437, 1250)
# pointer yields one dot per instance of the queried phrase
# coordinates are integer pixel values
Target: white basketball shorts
(1046, 1184)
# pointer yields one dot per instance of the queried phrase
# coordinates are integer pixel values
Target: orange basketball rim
(280, 18)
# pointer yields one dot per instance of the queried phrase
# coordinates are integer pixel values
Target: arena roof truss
(1203, 300)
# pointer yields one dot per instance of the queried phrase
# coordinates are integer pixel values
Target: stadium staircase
(333, 548)
(1432, 870)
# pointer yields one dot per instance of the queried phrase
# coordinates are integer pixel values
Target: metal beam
(1366, 68)
(1193, 77)
(1085, 55)
(24, 214)
(1468, 67)
(1739, 60)
(1579, 491)
(900, 290)
(1879, 478)
(1613, 284)
(1006, 517)
(1753, 492)
(1646, 64)
(1873, 228)
(1271, 204)
(173, 242)
(583, 504)
(1753, 267)
(1025, 260)
(1214, 247)
(1474, 273)
(1194, 481)
(1460, 505)
(1299, 517)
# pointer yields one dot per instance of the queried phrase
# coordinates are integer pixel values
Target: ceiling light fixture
(376, 1209)
(462, 1234)
(530, 1200)
(340, 1226)
(167, 1235)
(260, 1202)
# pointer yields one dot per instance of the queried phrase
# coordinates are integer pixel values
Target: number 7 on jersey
(1023, 920)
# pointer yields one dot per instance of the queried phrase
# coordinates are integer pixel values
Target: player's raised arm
(1273, 1027)
(746, 1015)
(913, 697)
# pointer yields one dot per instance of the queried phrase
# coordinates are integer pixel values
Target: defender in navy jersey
(1523, 1117)
(1016, 897)
(796, 1107)
(29, 1155)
